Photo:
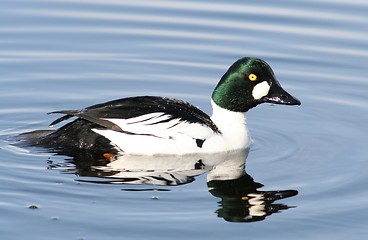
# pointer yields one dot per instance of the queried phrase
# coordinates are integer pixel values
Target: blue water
(71, 54)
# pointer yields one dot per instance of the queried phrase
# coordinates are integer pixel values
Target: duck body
(151, 125)
(187, 131)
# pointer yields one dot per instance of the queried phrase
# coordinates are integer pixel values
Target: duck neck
(226, 118)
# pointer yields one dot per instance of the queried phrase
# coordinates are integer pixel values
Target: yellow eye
(252, 77)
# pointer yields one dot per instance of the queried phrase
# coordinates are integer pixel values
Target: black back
(136, 106)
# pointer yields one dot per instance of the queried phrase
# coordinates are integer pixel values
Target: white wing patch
(158, 124)
(150, 118)
(154, 132)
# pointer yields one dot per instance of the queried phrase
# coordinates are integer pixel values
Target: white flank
(260, 90)
(177, 137)
(151, 137)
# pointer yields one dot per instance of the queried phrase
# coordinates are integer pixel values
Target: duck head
(247, 83)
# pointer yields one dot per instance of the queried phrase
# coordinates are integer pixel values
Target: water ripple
(319, 31)
(61, 54)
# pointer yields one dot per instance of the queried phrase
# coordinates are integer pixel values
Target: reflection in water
(242, 202)
(226, 179)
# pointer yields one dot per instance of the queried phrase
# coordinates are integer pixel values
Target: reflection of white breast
(175, 170)
(159, 133)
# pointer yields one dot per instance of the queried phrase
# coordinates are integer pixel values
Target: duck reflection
(241, 201)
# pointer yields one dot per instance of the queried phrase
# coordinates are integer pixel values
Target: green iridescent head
(247, 83)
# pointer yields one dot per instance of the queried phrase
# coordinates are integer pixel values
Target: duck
(155, 125)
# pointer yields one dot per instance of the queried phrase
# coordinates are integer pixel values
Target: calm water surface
(70, 54)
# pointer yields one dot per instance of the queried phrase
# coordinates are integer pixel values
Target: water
(71, 54)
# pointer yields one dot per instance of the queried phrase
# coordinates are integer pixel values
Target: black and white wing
(146, 115)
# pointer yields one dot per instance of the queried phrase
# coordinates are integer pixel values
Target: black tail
(75, 135)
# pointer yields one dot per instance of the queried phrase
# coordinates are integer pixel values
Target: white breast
(233, 126)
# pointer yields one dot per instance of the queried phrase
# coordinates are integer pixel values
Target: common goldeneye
(149, 125)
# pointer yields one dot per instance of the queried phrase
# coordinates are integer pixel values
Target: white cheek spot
(260, 90)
